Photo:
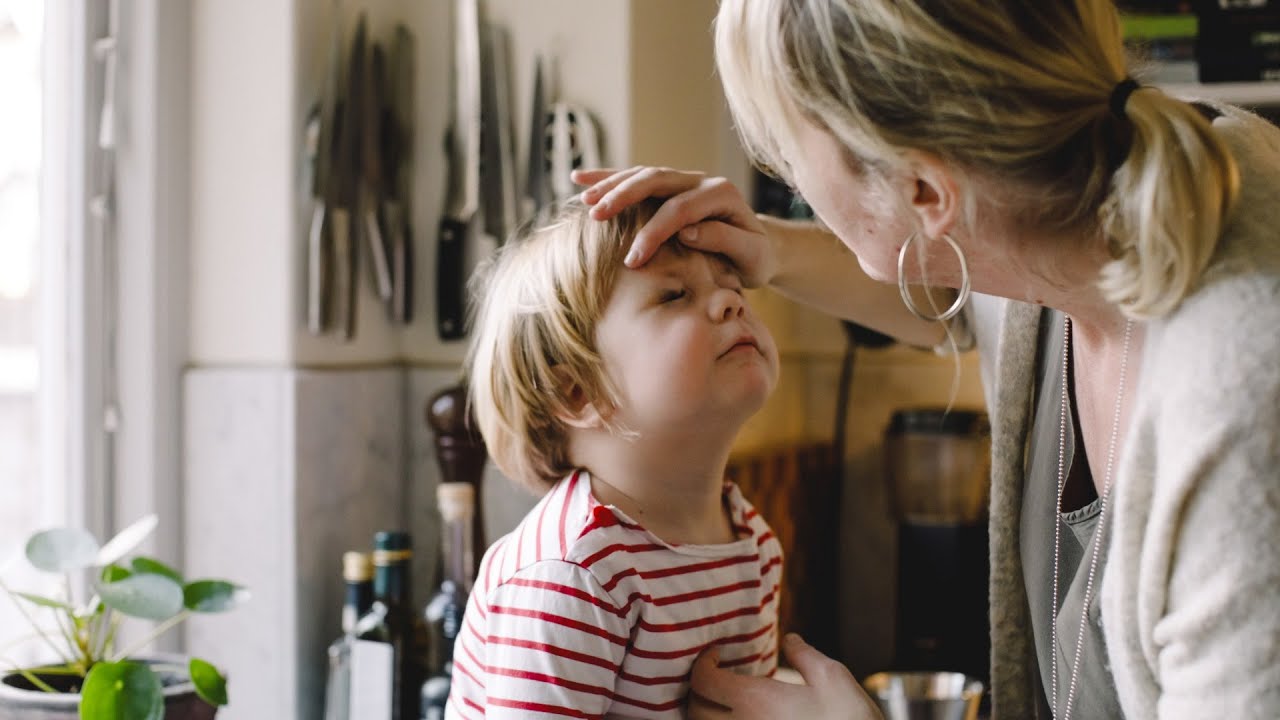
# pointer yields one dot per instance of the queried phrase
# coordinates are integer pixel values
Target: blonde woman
(1115, 258)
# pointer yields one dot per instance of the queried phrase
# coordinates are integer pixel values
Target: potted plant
(89, 677)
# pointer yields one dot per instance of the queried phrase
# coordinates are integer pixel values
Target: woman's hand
(705, 213)
(829, 692)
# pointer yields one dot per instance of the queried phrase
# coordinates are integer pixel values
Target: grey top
(1095, 693)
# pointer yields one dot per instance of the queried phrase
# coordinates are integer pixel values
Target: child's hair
(539, 300)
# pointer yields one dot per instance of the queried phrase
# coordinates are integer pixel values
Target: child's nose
(727, 304)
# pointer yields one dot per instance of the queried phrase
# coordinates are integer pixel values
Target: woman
(1121, 249)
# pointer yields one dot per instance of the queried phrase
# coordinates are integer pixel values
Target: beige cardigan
(1191, 595)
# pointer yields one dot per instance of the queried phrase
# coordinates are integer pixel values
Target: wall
(297, 448)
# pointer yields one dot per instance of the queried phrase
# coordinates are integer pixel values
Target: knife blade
(398, 154)
(345, 189)
(498, 199)
(324, 134)
(535, 194)
(372, 176)
(463, 197)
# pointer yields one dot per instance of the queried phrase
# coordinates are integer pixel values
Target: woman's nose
(727, 304)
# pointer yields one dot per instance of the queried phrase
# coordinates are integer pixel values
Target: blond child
(618, 394)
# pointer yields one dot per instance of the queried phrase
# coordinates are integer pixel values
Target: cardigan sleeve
(1203, 571)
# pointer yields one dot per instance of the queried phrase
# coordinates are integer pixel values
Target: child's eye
(671, 295)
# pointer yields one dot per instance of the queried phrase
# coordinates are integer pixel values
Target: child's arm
(555, 644)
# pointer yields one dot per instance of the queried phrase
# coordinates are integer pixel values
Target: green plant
(113, 686)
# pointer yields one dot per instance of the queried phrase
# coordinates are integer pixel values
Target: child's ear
(579, 411)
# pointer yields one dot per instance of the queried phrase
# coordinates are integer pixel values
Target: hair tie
(1120, 96)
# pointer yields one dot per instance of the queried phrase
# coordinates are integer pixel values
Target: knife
(371, 159)
(345, 190)
(463, 198)
(498, 200)
(535, 194)
(397, 146)
(322, 130)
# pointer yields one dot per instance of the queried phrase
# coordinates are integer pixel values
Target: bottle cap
(356, 567)
(456, 500)
(390, 546)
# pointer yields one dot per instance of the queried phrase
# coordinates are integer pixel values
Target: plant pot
(20, 701)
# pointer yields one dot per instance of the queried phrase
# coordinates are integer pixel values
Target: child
(617, 392)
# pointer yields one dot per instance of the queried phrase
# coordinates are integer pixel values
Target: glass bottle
(389, 653)
(445, 609)
(357, 573)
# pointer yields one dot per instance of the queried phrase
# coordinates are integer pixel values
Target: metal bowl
(925, 695)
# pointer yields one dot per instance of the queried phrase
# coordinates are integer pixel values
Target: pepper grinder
(460, 450)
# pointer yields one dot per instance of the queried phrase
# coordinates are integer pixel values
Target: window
(30, 485)
(89, 366)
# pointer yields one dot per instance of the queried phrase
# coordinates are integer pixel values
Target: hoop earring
(903, 290)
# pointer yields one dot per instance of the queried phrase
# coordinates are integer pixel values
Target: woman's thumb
(804, 658)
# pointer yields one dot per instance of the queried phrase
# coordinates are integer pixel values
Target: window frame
(113, 338)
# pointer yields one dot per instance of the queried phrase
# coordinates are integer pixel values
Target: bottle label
(371, 688)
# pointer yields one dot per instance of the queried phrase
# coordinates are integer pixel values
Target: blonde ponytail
(1167, 205)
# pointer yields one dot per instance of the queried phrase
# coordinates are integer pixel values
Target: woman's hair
(539, 300)
(1015, 90)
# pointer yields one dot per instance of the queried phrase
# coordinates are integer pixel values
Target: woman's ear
(932, 192)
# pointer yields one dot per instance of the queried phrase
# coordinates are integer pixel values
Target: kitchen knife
(371, 158)
(535, 194)
(317, 264)
(463, 199)
(498, 200)
(322, 129)
(398, 153)
(345, 190)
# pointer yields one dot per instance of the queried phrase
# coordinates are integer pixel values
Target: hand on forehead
(676, 255)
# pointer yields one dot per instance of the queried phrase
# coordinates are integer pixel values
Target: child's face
(682, 346)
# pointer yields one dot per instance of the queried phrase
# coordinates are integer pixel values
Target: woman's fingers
(835, 684)
(714, 199)
(632, 186)
(744, 696)
(602, 182)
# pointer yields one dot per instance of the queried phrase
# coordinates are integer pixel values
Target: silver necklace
(1063, 419)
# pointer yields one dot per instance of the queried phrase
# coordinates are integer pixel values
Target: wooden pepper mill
(460, 449)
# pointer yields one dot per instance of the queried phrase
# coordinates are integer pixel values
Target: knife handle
(344, 275)
(450, 301)
(318, 272)
(378, 250)
(401, 264)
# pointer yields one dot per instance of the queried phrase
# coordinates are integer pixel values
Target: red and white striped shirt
(581, 613)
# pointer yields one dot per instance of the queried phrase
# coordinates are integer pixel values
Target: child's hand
(829, 692)
(707, 214)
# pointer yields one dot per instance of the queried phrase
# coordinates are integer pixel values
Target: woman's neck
(1059, 271)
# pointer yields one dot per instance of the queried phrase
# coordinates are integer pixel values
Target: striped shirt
(581, 613)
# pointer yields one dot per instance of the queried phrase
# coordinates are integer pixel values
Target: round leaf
(126, 540)
(153, 597)
(155, 567)
(62, 550)
(212, 596)
(114, 573)
(210, 684)
(121, 691)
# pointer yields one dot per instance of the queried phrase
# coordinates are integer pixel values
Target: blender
(938, 470)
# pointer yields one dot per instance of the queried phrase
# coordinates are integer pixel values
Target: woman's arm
(798, 259)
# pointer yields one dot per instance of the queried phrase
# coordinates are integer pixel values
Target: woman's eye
(671, 295)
